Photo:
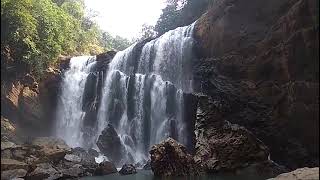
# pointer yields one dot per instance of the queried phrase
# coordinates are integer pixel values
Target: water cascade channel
(141, 93)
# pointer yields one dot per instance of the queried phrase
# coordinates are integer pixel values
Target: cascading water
(69, 110)
(142, 95)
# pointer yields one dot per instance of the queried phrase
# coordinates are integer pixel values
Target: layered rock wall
(259, 60)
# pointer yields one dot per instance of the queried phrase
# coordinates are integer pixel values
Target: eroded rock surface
(170, 158)
(222, 145)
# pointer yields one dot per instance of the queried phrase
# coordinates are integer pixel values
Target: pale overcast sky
(125, 17)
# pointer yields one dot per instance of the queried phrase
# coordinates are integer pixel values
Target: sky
(125, 17)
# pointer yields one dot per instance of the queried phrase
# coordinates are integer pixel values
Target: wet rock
(43, 171)
(169, 158)
(128, 169)
(103, 60)
(107, 56)
(147, 166)
(93, 152)
(299, 174)
(12, 174)
(110, 145)
(105, 168)
(9, 164)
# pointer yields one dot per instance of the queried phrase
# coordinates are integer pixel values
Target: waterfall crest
(142, 95)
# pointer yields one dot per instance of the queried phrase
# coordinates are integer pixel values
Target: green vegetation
(179, 13)
(35, 32)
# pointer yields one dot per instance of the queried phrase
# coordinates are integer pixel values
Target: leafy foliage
(35, 32)
(147, 31)
(116, 43)
(180, 13)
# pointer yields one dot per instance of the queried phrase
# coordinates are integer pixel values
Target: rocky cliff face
(29, 104)
(259, 61)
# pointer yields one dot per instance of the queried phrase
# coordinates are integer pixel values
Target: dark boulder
(103, 61)
(107, 56)
(128, 169)
(170, 158)
(110, 145)
(105, 168)
(93, 152)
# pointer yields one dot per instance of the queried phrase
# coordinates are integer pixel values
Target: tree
(179, 13)
(18, 33)
(35, 32)
(168, 19)
(147, 31)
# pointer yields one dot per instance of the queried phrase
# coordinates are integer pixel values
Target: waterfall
(142, 95)
(69, 110)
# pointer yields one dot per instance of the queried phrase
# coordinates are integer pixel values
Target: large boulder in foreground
(110, 145)
(300, 174)
(170, 158)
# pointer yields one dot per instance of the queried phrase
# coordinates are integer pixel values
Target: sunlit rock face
(142, 92)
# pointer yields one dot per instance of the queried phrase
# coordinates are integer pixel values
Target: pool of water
(148, 175)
